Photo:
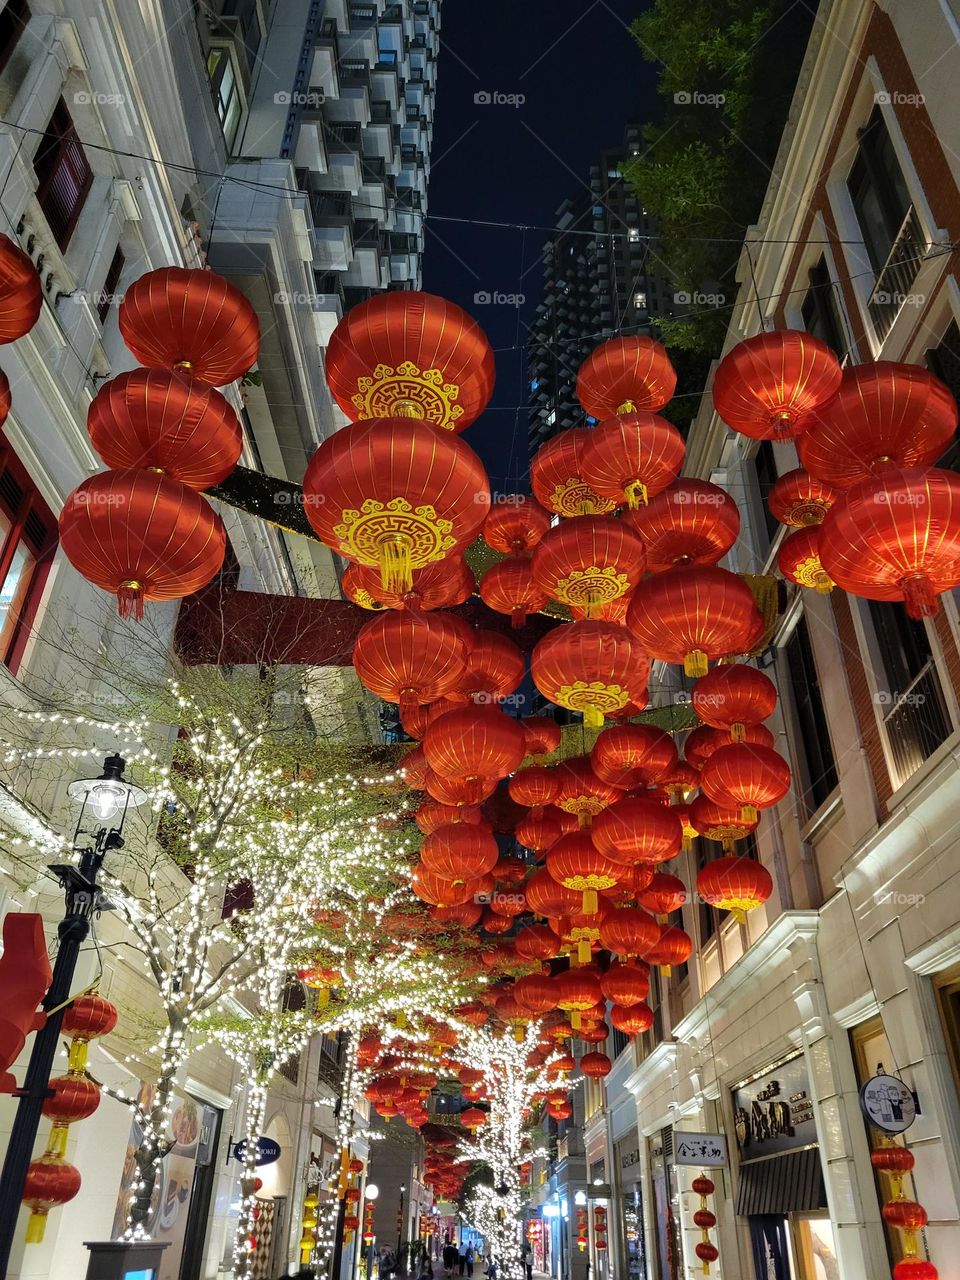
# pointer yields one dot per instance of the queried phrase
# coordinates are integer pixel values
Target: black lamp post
(105, 802)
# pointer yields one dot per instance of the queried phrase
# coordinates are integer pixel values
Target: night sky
(583, 79)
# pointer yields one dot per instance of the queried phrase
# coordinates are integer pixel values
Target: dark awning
(790, 1183)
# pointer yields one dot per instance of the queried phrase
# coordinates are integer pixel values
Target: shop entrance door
(771, 1250)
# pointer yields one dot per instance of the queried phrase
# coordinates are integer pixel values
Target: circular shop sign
(888, 1104)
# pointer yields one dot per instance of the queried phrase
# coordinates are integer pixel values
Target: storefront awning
(788, 1183)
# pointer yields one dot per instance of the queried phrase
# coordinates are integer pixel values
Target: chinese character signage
(705, 1150)
(775, 1113)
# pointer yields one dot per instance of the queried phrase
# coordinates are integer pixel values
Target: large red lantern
(576, 863)
(516, 525)
(798, 559)
(694, 614)
(897, 539)
(632, 1021)
(441, 585)
(733, 697)
(536, 942)
(431, 814)
(410, 658)
(50, 1182)
(546, 896)
(675, 947)
(577, 990)
(633, 755)
(747, 776)
(539, 831)
(626, 984)
(397, 494)
(495, 667)
(735, 884)
(592, 667)
(588, 563)
(413, 769)
(623, 375)
(664, 895)
(723, 823)
(692, 522)
(458, 791)
(21, 295)
(556, 476)
(629, 932)
(437, 891)
(543, 735)
(168, 422)
(884, 416)
(595, 1065)
(474, 741)
(630, 458)
(535, 787)
(636, 830)
(799, 499)
(88, 1018)
(509, 587)
(141, 536)
(768, 386)
(410, 354)
(536, 993)
(179, 318)
(459, 852)
(582, 793)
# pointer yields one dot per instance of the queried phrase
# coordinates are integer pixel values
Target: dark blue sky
(582, 78)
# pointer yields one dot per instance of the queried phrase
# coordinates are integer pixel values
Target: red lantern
(436, 586)
(734, 696)
(675, 947)
(556, 476)
(459, 791)
(799, 499)
(723, 823)
(74, 1098)
(884, 416)
(595, 1065)
(751, 777)
(176, 318)
(588, 563)
(577, 990)
(693, 614)
(576, 863)
(464, 916)
(896, 1161)
(768, 386)
(629, 932)
(692, 522)
(582, 793)
(436, 891)
(664, 895)
(543, 735)
(626, 984)
(539, 831)
(735, 884)
(413, 769)
(410, 658)
(21, 295)
(141, 536)
(591, 667)
(495, 667)
(536, 994)
(630, 458)
(397, 494)
(897, 539)
(168, 422)
(915, 1269)
(535, 787)
(431, 814)
(474, 741)
(88, 1018)
(459, 852)
(536, 942)
(510, 870)
(635, 830)
(707, 1253)
(473, 1118)
(597, 1034)
(508, 587)
(633, 755)
(632, 1021)
(546, 896)
(495, 922)
(798, 559)
(410, 354)
(623, 375)
(50, 1182)
(515, 526)
(700, 744)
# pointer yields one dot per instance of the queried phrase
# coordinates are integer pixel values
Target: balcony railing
(916, 722)
(897, 275)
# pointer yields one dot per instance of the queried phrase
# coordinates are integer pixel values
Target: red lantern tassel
(130, 600)
(919, 596)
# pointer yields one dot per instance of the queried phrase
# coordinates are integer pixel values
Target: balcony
(333, 231)
(897, 275)
(916, 723)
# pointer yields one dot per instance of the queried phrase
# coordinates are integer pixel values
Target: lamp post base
(124, 1259)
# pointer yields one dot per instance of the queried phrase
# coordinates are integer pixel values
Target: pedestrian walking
(470, 1261)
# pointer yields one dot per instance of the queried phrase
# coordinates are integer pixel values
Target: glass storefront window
(633, 1234)
(816, 1248)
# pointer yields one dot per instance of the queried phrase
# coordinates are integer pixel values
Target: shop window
(821, 309)
(13, 19)
(812, 735)
(914, 712)
(108, 294)
(63, 175)
(28, 540)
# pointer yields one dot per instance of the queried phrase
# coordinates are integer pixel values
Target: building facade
(768, 1035)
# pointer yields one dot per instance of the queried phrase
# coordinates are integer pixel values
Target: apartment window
(247, 21)
(766, 478)
(633, 235)
(812, 732)
(28, 540)
(909, 692)
(943, 361)
(878, 190)
(108, 294)
(821, 309)
(13, 19)
(226, 93)
(640, 301)
(63, 175)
